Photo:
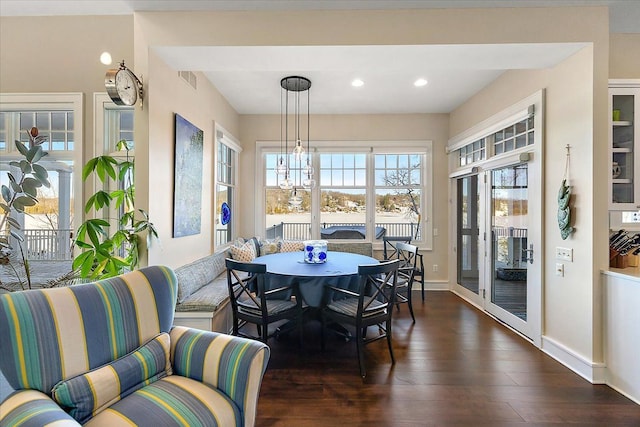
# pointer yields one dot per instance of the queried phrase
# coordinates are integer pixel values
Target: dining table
(340, 269)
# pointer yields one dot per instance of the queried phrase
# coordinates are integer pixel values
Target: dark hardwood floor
(455, 367)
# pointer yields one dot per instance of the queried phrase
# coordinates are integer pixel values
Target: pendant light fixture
(291, 126)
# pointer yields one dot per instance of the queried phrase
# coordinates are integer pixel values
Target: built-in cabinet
(624, 143)
(621, 334)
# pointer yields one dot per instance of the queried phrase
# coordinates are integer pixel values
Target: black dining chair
(407, 256)
(390, 251)
(253, 302)
(370, 304)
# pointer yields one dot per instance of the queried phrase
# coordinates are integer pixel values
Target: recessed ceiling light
(357, 83)
(420, 83)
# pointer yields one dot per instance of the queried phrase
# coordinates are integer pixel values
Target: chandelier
(294, 174)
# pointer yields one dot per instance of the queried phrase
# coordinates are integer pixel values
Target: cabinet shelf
(622, 123)
(621, 181)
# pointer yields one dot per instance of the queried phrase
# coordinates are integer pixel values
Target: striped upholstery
(233, 365)
(76, 337)
(172, 401)
(86, 395)
(34, 408)
(55, 334)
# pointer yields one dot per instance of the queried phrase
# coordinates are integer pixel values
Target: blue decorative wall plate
(226, 213)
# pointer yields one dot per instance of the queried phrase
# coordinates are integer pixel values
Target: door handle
(528, 254)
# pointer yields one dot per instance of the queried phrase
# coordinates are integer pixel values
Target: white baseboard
(595, 373)
(431, 285)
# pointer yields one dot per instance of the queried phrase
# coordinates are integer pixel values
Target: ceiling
(248, 77)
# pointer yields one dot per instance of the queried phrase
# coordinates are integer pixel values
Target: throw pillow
(291, 246)
(86, 395)
(270, 246)
(246, 252)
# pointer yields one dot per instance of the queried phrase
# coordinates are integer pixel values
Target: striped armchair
(106, 354)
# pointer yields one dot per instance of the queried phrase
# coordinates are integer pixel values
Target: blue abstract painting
(187, 191)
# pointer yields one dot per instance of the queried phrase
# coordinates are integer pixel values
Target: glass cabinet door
(624, 190)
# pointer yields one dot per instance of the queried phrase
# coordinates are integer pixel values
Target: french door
(498, 237)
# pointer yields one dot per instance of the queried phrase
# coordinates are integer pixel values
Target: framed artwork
(187, 188)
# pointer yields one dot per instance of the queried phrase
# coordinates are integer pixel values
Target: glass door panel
(509, 225)
(468, 233)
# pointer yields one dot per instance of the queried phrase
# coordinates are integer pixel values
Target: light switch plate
(559, 269)
(565, 254)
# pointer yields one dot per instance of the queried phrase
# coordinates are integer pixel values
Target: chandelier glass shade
(292, 125)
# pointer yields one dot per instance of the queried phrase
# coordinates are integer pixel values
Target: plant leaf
(30, 186)
(26, 201)
(34, 154)
(122, 145)
(16, 187)
(42, 175)
(89, 167)
(6, 193)
(17, 236)
(22, 148)
(25, 167)
(14, 223)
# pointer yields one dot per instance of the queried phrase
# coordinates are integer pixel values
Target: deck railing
(302, 230)
(47, 244)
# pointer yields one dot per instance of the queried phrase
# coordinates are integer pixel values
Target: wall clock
(123, 87)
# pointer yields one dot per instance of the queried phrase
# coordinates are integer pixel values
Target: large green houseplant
(20, 194)
(106, 253)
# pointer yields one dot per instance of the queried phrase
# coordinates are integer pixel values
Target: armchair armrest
(32, 408)
(233, 365)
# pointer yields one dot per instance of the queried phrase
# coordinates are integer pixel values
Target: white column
(64, 214)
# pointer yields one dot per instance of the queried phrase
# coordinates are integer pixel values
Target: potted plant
(106, 253)
(20, 194)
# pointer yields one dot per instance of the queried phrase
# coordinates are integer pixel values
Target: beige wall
(405, 127)
(62, 54)
(624, 59)
(570, 309)
(169, 94)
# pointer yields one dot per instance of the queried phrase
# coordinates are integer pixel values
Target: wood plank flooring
(455, 367)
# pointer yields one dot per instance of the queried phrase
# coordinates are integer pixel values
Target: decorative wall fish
(564, 210)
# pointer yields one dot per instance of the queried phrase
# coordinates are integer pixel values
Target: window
(398, 184)
(363, 193)
(513, 137)
(277, 208)
(114, 123)
(471, 153)
(482, 144)
(226, 170)
(119, 126)
(343, 195)
(47, 229)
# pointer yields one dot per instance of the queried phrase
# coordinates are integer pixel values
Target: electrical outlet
(565, 254)
(559, 269)
(435, 267)
(631, 217)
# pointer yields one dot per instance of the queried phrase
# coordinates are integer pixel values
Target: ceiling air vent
(189, 77)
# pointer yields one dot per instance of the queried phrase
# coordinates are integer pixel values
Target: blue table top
(293, 264)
